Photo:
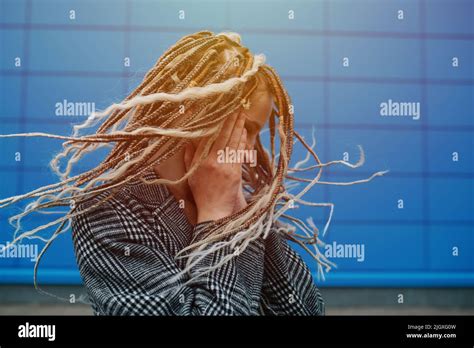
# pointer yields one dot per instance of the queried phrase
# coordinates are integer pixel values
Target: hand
(217, 187)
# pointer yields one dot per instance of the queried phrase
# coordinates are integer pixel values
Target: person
(127, 246)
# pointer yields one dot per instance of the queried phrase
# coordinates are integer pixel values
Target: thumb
(188, 155)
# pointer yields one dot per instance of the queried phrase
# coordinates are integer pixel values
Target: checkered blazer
(125, 253)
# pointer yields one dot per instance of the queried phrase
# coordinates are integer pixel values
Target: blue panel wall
(398, 50)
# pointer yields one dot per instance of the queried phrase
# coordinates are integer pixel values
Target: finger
(234, 139)
(241, 146)
(188, 155)
(199, 150)
(225, 133)
(243, 140)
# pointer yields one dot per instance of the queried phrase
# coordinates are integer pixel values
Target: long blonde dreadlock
(189, 93)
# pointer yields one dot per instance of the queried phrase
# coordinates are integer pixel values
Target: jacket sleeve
(125, 276)
(288, 286)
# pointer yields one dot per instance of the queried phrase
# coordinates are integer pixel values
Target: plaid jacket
(125, 253)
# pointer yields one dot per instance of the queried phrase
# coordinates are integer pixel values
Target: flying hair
(188, 94)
